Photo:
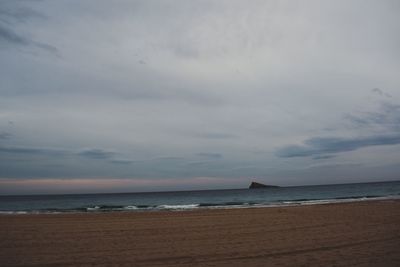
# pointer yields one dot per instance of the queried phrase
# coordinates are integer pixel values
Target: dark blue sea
(206, 199)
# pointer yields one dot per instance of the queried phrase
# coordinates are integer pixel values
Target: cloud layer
(317, 146)
(280, 91)
(383, 127)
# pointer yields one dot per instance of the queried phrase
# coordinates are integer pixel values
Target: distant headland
(255, 185)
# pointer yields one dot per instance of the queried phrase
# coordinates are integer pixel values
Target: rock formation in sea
(255, 185)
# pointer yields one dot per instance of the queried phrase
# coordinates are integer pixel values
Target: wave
(177, 207)
(206, 205)
(140, 207)
(233, 203)
(337, 200)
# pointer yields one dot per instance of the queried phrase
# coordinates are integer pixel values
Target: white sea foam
(330, 201)
(13, 212)
(178, 207)
(130, 208)
(93, 208)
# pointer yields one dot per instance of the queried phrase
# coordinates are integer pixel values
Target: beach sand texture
(351, 234)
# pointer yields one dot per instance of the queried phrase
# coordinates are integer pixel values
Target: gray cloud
(121, 161)
(97, 154)
(323, 156)
(210, 155)
(5, 135)
(32, 151)
(93, 153)
(318, 145)
(380, 92)
(217, 135)
(232, 79)
(377, 91)
(167, 159)
(11, 12)
(385, 120)
(387, 117)
(10, 17)
(7, 35)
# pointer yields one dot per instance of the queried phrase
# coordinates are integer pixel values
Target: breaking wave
(210, 205)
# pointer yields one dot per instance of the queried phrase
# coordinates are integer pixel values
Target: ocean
(205, 199)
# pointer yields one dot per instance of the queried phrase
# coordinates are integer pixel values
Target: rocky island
(255, 185)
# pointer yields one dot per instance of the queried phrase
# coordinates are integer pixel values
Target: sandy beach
(349, 234)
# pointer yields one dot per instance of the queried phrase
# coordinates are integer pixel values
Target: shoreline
(195, 207)
(363, 233)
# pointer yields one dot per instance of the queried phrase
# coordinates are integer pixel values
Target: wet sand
(350, 234)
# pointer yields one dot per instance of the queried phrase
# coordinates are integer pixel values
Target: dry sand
(352, 234)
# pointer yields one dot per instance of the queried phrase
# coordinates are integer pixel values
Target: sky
(150, 95)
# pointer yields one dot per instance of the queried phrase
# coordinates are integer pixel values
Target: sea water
(205, 199)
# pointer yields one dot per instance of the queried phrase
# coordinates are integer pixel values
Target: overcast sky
(170, 95)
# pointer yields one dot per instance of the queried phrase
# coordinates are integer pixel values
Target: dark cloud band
(318, 146)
